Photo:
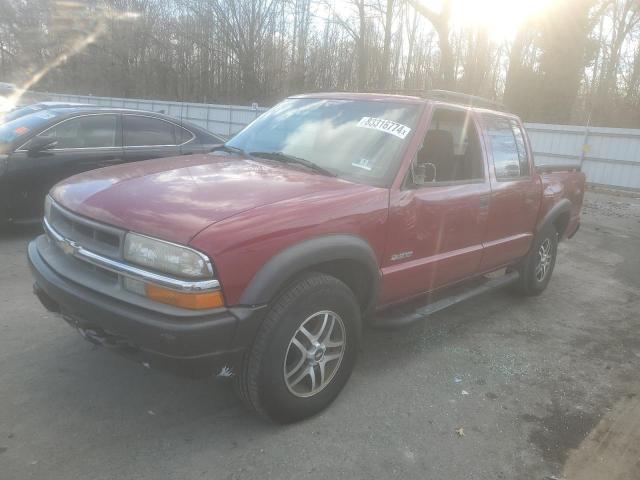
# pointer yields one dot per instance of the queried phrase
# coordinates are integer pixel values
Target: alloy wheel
(544, 260)
(314, 353)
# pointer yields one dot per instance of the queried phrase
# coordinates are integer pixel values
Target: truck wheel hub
(314, 354)
(544, 260)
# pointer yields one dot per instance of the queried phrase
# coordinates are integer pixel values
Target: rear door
(146, 137)
(84, 142)
(515, 191)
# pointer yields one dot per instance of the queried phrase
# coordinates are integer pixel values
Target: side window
(91, 131)
(508, 147)
(182, 135)
(142, 131)
(451, 150)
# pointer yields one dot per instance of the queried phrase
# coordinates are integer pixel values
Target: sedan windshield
(12, 131)
(20, 112)
(358, 140)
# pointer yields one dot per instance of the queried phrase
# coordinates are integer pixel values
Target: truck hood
(175, 198)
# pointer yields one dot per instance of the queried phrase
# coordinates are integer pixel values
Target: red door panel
(435, 238)
(512, 215)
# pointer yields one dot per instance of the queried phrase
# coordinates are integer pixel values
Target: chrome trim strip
(120, 147)
(72, 248)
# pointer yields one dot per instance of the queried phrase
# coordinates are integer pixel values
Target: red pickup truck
(264, 259)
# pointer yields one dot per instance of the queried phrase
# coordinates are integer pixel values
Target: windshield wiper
(285, 158)
(228, 148)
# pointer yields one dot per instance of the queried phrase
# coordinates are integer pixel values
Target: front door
(436, 224)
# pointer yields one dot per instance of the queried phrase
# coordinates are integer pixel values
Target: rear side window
(506, 141)
(182, 135)
(91, 131)
(142, 131)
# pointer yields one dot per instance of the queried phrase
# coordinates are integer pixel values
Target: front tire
(537, 267)
(304, 351)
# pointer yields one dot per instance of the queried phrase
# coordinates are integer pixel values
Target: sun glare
(501, 17)
(6, 104)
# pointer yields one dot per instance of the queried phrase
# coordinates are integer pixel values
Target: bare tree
(579, 57)
(441, 24)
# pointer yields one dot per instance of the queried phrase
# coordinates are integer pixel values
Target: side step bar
(398, 317)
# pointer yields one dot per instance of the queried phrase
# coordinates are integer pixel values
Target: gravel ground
(532, 384)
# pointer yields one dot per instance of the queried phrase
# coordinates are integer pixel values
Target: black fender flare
(304, 255)
(562, 207)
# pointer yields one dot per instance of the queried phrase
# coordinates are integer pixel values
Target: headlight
(47, 207)
(166, 257)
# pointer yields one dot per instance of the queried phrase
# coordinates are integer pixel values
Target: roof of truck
(413, 96)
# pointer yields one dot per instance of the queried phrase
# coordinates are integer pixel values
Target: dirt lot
(542, 388)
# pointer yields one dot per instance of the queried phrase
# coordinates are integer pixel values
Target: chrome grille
(96, 248)
(96, 237)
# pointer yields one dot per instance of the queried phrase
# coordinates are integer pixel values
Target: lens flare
(9, 102)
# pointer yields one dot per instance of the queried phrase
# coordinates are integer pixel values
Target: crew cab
(264, 259)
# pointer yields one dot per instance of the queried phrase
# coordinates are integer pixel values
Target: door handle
(483, 203)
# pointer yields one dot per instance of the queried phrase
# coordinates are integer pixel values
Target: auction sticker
(387, 126)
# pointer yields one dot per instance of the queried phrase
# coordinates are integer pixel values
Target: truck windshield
(360, 141)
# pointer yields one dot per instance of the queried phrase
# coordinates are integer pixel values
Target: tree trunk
(386, 50)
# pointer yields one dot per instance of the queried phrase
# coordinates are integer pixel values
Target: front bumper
(191, 345)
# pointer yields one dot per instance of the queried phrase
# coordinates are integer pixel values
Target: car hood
(175, 198)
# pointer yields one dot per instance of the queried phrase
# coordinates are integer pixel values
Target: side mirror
(430, 172)
(424, 173)
(39, 144)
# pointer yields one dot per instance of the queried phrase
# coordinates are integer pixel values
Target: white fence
(609, 156)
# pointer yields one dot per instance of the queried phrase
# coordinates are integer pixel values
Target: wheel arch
(346, 257)
(558, 216)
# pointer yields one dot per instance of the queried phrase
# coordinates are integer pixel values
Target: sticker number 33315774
(387, 126)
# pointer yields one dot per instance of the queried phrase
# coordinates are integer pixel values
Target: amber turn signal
(192, 301)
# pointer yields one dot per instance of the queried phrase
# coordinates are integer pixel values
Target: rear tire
(304, 352)
(537, 268)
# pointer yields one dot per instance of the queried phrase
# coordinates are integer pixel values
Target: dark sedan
(40, 149)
